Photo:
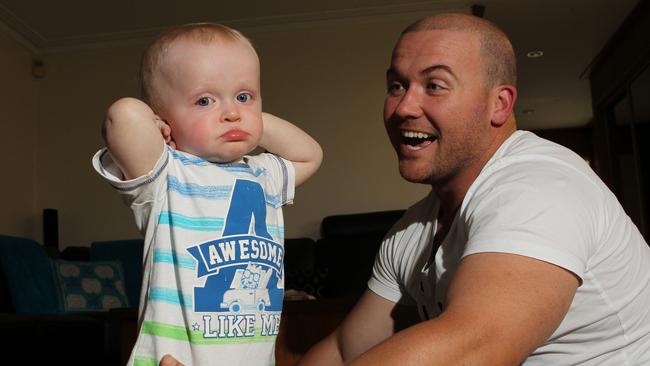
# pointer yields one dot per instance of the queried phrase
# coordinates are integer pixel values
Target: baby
(211, 214)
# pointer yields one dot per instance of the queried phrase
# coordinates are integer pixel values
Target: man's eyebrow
(433, 68)
(392, 71)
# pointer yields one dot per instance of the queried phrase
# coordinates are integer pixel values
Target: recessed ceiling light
(535, 54)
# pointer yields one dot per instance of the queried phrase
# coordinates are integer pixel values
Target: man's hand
(168, 360)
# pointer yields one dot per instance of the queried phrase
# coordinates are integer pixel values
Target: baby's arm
(288, 141)
(134, 136)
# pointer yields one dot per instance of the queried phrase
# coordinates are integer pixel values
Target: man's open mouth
(413, 138)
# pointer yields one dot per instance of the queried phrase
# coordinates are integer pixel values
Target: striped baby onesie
(213, 278)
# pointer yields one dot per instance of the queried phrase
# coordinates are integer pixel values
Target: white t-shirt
(537, 199)
(213, 280)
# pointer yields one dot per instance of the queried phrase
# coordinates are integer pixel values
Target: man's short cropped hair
(496, 49)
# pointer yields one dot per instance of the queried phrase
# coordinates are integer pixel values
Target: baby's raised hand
(165, 130)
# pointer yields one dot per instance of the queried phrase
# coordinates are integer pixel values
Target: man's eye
(434, 86)
(204, 101)
(244, 97)
(395, 87)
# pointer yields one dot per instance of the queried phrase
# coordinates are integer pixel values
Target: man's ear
(504, 99)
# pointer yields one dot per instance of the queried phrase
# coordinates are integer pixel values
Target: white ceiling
(554, 88)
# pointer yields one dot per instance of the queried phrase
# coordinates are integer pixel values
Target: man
(519, 255)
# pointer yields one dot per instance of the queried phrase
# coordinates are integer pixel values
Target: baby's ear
(503, 103)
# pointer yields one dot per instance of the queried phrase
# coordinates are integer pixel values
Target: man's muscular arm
(500, 308)
(372, 320)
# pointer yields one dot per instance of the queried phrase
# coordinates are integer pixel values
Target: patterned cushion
(90, 286)
(129, 254)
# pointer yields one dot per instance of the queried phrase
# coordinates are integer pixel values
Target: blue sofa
(38, 324)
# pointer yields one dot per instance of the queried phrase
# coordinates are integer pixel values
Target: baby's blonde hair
(154, 54)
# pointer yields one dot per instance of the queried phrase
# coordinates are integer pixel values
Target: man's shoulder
(426, 204)
(528, 160)
(526, 147)
(416, 218)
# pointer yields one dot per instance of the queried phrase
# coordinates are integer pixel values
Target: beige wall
(326, 78)
(331, 81)
(18, 113)
(78, 88)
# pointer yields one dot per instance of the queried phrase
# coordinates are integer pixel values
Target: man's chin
(415, 176)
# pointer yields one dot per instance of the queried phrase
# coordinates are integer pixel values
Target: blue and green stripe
(181, 333)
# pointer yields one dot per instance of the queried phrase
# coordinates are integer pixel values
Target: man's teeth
(413, 134)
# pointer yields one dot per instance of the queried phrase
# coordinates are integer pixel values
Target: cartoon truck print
(248, 290)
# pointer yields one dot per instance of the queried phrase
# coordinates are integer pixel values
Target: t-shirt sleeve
(280, 184)
(138, 193)
(540, 210)
(384, 280)
(399, 260)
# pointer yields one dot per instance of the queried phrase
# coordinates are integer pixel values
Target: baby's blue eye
(243, 97)
(203, 101)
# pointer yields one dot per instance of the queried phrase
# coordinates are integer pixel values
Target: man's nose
(409, 106)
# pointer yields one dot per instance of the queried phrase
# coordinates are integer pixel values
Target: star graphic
(196, 326)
